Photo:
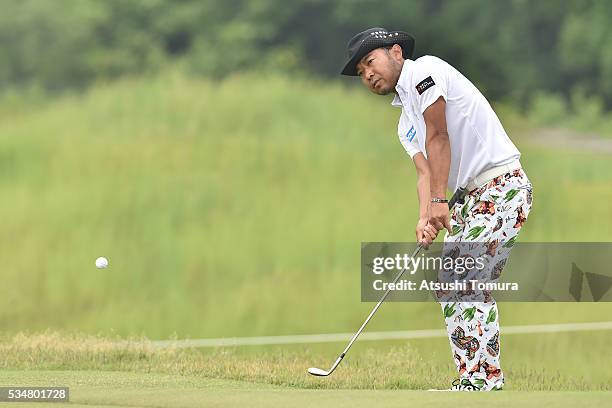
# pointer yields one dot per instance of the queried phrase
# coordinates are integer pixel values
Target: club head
(318, 372)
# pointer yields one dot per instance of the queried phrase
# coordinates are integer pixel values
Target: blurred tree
(585, 48)
(44, 43)
(511, 49)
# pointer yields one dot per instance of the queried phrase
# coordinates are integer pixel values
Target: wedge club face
(322, 373)
(318, 372)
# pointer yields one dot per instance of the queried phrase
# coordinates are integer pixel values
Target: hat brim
(404, 40)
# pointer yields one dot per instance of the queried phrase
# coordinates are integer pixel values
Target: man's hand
(425, 233)
(438, 216)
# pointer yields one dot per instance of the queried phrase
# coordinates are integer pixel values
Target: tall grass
(386, 365)
(225, 208)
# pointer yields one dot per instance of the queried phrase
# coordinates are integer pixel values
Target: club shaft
(456, 198)
(380, 302)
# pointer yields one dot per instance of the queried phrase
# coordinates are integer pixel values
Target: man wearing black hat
(456, 142)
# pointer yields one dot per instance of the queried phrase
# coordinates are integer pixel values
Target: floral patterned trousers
(491, 215)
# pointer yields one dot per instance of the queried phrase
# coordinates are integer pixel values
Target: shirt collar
(397, 101)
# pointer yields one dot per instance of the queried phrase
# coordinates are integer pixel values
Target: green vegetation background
(550, 59)
(211, 152)
(235, 207)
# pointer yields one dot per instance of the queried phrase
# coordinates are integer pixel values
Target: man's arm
(437, 146)
(423, 180)
(425, 233)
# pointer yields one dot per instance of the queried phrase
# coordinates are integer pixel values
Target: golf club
(322, 373)
(457, 197)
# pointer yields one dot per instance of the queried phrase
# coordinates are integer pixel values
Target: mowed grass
(106, 372)
(118, 389)
(233, 208)
(543, 362)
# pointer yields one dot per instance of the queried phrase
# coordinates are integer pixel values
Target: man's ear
(397, 52)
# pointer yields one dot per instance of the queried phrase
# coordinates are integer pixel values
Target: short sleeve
(410, 148)
(429, 83)
(407, 136)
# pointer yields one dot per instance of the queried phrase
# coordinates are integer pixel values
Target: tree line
(510, 48)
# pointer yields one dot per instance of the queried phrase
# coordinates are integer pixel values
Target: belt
(482, 179)
(490, 174)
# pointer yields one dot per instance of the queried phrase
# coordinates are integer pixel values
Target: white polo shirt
(477, 138)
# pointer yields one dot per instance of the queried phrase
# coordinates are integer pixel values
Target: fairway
(118, 389)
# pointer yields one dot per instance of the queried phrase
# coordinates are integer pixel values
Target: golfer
(457, 144)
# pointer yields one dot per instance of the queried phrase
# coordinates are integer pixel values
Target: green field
(225, 208)
(539, 362)
(119, 389)
(104, 372)
(237, 209)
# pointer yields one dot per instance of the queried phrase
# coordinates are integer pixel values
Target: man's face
(380, 69)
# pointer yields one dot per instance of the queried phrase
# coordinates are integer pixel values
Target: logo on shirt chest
(425, 85)
(411, 134)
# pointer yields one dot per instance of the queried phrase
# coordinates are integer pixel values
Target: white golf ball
(101, 262)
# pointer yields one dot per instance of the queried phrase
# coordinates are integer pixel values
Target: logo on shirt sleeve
(411, 134)
(425, 85)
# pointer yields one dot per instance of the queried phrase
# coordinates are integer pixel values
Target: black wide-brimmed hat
(377, 37)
